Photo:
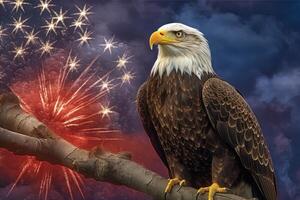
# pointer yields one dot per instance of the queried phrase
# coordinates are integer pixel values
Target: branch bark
(23, 134)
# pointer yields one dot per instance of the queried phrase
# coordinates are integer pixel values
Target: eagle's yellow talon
(182, 183)
(173, 182)
(212, 190)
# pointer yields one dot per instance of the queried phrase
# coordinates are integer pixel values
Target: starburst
(44, 6)
(60, 17)
(2, 32)
(46, 47)
(19, 25)
(84, 12)
(50, 27)
(2, 3)
(18, 4)
(105, 111)
(84, 37)
(122, 61)
(127, 77)
(19, 52)
(31, 37)
(109, 44)
(78, 24)
(106, 85)
(73, 63)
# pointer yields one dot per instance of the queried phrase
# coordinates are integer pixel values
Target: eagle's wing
(147, 122)
(234, 120)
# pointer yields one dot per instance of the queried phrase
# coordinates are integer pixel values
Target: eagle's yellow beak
(160, 37)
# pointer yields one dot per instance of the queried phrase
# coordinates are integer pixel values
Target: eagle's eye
(179, 34)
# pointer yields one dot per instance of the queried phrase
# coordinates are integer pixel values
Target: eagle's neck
(191, 62)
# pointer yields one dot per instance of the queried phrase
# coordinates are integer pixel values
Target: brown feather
(205, 132)
(250, 145)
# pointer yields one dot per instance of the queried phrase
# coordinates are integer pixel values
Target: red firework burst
(76, 108)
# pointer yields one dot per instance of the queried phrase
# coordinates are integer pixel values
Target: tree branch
(23, 134)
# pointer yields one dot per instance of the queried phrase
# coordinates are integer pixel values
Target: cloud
(241, 48)
(276, 100)
(283, 86)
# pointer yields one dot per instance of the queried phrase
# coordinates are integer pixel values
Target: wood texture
(24, 134)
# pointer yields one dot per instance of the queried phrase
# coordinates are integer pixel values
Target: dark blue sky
(255, 46)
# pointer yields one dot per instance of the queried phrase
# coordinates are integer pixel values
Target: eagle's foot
(212, 190)
(172, 182)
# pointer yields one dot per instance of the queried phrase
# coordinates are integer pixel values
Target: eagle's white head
(180, 48)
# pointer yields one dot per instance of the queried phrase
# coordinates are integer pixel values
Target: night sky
(254, 46)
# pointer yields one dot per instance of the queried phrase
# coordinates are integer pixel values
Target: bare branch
(24, 134)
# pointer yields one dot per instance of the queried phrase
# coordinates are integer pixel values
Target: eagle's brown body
(205, 132)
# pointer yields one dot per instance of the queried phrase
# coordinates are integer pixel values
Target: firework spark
(18, 4)
(2, 3)
(46, 47)
(2, 32)
(106, 85)
(31, 37)
(109, 44)
(60, 17)
(105, 111)
(127, 77)
(51, 26)
(122, 61)
(84, 12)
(73, 63)
(19, 25)
(84, 37)
(44, 6)
(19, 52)
(78, 24)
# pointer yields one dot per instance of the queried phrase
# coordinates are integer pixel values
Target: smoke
(276, 100)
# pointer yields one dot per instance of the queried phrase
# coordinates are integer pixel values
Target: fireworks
(46, 47)
(109, 44)
(73, 63)
(44, 6)
(122, 61)
(76, 99)
(51, 26)
(18, 4)
(31, 37)
(19, 25)
(84, 12)
(106, 85)
(127, 77)
(60, 17)
(84, 37)
(78, 24)
(19, 52)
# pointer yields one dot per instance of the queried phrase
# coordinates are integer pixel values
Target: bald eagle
(201, 127)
